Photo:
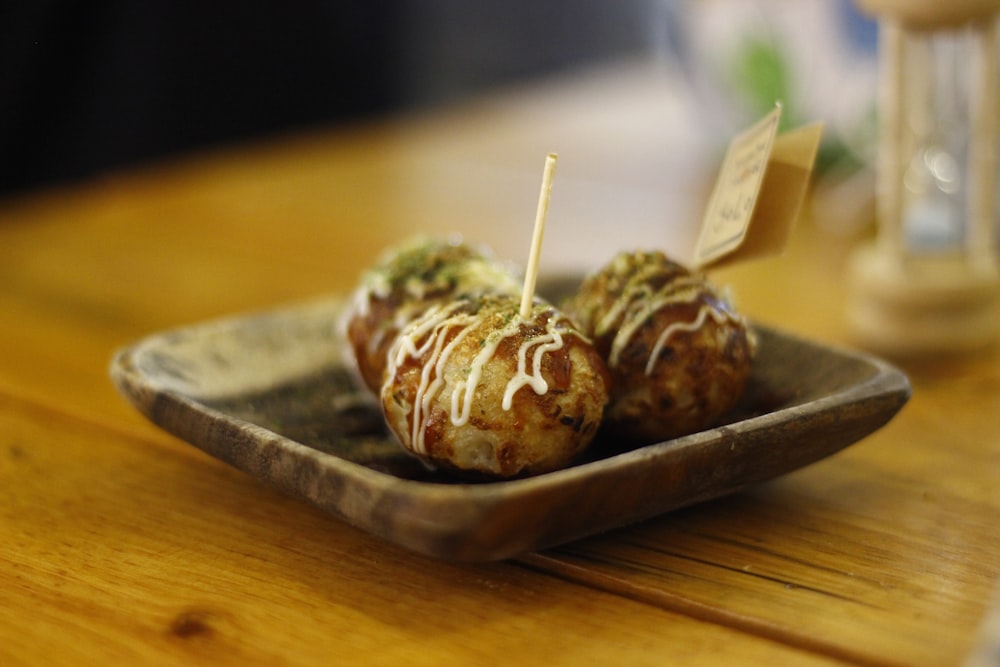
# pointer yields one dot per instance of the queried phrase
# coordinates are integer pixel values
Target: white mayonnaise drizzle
(433, 328)
(704, 313)
(437, 321)
(550, 342)
(687, 289)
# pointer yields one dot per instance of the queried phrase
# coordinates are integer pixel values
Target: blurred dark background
(91, 87)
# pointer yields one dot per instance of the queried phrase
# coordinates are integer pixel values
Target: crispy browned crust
(697, 378)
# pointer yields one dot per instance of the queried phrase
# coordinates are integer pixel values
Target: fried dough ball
(403, 284)
(678, 352)
(473, 387)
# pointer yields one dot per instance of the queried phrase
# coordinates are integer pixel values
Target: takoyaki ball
(403, 284)
(678, 352)
(472, 387)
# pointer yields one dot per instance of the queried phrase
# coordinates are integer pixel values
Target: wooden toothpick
(531, 272)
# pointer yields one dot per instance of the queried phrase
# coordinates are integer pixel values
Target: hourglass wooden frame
(904, 299)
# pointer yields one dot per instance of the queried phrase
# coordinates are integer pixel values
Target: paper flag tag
(757, 197)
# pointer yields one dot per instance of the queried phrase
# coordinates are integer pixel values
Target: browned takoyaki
(472, 386)
(679, 354)
(403, 284)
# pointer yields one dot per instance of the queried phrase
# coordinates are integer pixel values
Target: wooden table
(120, 544)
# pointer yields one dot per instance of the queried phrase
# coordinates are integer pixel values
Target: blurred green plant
(761, 76)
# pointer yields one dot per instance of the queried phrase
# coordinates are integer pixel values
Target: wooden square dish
(270, 394)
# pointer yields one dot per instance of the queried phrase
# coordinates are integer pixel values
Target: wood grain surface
(121, 543)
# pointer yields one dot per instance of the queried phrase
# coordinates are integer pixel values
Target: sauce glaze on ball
(679, 353)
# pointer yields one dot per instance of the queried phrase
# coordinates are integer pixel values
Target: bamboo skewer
(531, 272)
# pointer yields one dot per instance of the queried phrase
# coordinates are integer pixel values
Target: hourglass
(930, 280)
